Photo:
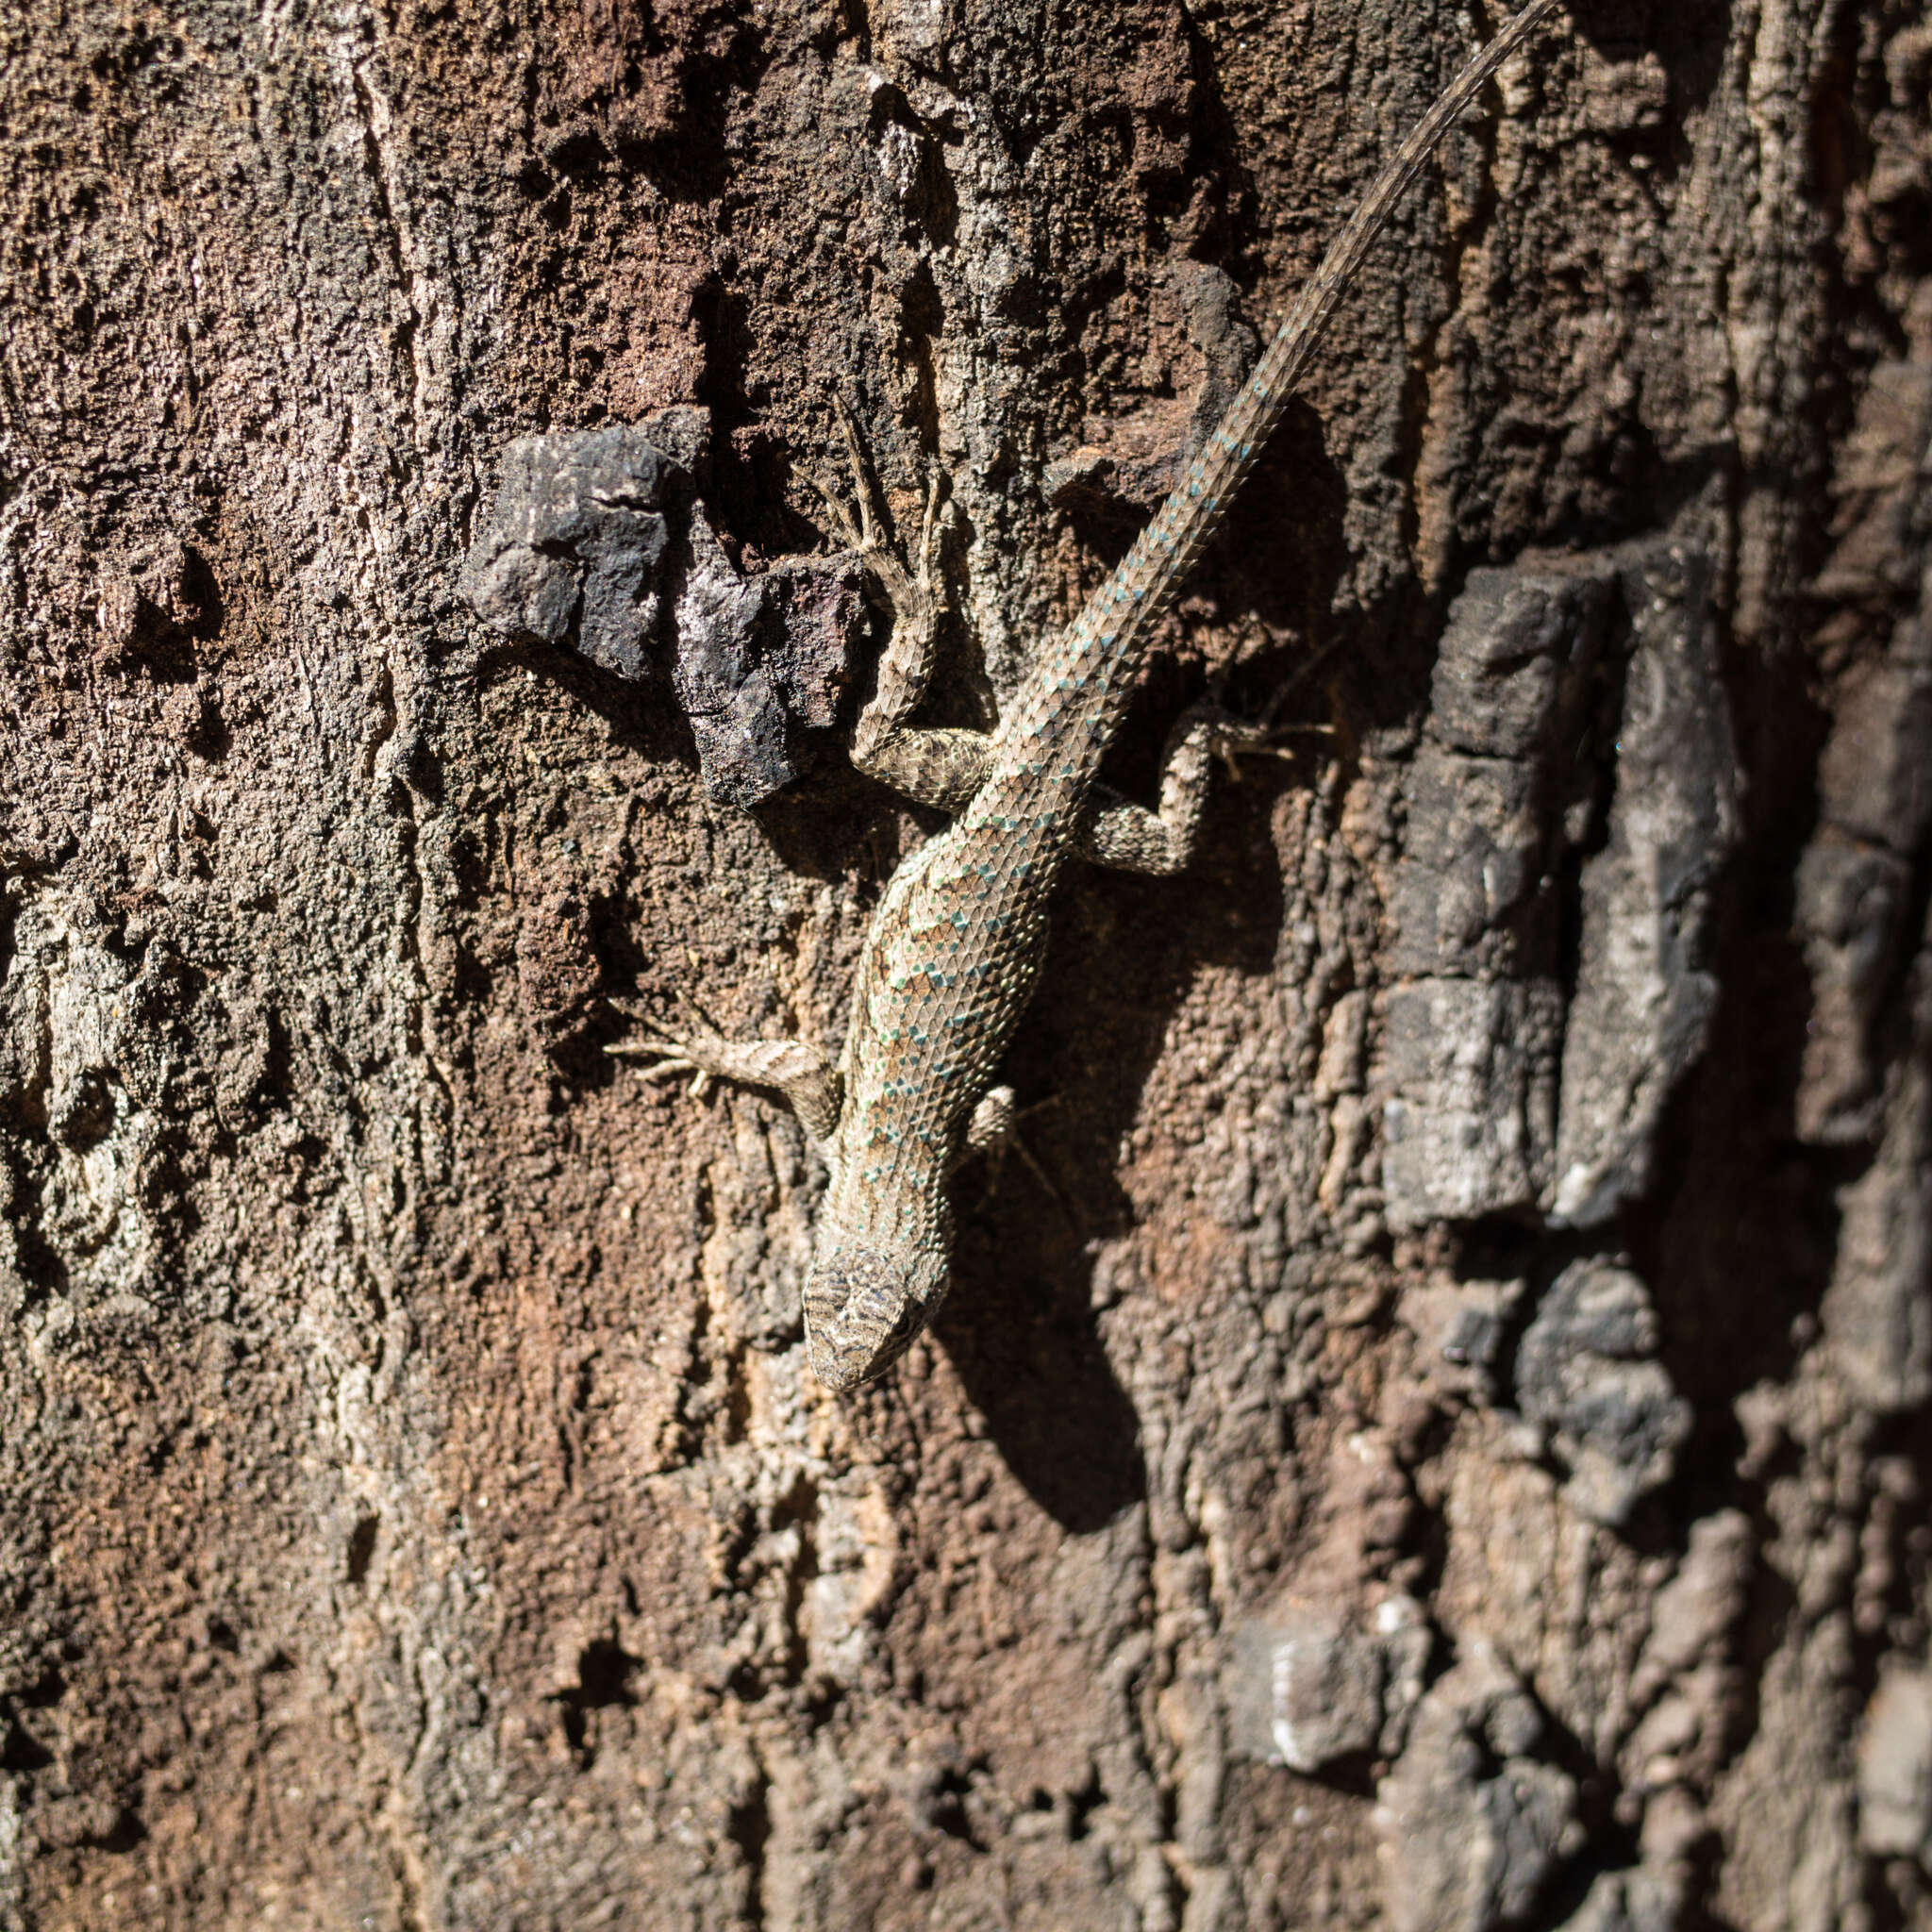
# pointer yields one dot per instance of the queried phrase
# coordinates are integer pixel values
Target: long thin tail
(1195, 513)
(1295, 340)
(1101, 648)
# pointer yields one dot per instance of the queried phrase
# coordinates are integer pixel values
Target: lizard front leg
(939, 766)
(795, 1068)
(1129, 838)
(990, 1131)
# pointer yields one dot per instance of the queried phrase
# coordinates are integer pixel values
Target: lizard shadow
(1023, 1325)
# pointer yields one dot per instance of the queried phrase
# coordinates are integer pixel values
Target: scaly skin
(958, 943)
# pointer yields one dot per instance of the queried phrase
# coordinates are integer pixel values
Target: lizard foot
(939, 766)
(863, 523)
(1229, 738)
(701, 1054)
(794, 1067)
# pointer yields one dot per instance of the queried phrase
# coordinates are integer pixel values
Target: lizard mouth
(862, 1308)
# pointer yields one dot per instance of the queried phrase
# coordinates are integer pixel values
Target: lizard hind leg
(1128, 838)
(936, 766)
(993, 1131)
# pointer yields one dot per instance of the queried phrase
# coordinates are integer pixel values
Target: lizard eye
(862, 1307)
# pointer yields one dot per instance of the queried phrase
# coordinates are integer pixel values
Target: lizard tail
(1053, 738)
(1296, 340)
(1059, 729)
(1239, 438)
(1192, 512)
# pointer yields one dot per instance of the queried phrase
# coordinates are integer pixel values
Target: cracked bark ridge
(1507, 1093)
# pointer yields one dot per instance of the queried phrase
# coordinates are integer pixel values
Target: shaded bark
(1445, 1445)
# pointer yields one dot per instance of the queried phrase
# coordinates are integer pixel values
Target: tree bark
(1434, 1434)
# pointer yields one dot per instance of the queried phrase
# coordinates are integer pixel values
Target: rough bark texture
(1450, 1449)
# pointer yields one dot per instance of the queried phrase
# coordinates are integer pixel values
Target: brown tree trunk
(1437, 1434)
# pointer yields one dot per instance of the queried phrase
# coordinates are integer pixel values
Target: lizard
(955, 945)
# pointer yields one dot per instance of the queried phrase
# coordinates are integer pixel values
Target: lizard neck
(887, 1194)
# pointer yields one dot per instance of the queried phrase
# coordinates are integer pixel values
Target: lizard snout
(862, 1307)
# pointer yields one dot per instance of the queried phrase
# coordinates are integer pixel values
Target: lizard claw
(670, 1054)
(666, 1055)
(1228, 737)
(1231, 738)
(841, 511)
(863, 530)
(793, 1067)
(863, 522)
(863, 489)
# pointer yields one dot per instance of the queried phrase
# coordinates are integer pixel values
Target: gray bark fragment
(1487, 1114)
(592, 536)
(1472, 1823)
(1516, 660)
(1471, 896)
(1586, 1372)
(1311, 1687)
(1645, 993)
(1485, 794)
(573, 544)
(1634, 1901)
(724, 687)
(1470, 1129)
(1473, 1038)
(756, 658)
(1895, 1768)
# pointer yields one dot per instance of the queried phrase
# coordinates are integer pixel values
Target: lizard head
(861, 1308)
